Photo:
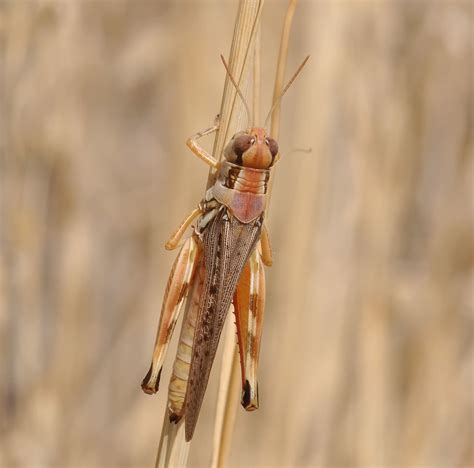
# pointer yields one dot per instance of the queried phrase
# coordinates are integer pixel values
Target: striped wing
(227, 244)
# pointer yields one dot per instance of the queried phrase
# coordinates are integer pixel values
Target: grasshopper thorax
(252, 148)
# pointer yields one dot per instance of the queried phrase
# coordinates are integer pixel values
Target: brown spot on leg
(253, 304)
(182, 292)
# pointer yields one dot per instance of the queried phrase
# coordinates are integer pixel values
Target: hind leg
(176, 292)
(249, 306)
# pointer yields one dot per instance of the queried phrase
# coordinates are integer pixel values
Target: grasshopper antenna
(285, 89)
(237, 89)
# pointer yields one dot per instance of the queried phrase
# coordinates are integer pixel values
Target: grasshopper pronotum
(217, 266)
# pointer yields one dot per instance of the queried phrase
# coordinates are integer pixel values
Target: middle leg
(266, 248)
(178, 234)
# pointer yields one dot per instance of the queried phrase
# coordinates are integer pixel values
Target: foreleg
(200, 152)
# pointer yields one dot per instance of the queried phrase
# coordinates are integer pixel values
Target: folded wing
(227, 245)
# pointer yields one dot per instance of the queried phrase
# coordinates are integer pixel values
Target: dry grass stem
(228, 397)
(173, 448)
(257, 70)
(228, 390)
(281, 66)
(241, 63)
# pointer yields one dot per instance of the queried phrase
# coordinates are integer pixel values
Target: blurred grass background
(367, 357)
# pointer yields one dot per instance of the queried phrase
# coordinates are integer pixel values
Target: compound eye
(272, 145)
(242, 143)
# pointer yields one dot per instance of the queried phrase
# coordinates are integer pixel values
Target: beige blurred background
(367, 357)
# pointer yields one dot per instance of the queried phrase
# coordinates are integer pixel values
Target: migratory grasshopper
(219, 265)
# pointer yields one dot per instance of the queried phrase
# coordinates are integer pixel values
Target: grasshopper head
(252, 148)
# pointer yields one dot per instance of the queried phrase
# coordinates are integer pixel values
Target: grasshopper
(220, 264)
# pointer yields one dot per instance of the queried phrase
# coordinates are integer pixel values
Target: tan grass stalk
(228, 389)
(279, 79)
(232, 113)
(227, 399)
(256, 78)
(173, 449)
(229, 384)
(246, 35)
(280, 73)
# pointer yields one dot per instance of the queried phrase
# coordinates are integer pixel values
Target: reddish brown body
(219, 265)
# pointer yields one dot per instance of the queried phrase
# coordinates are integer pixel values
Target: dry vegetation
(367, 358)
